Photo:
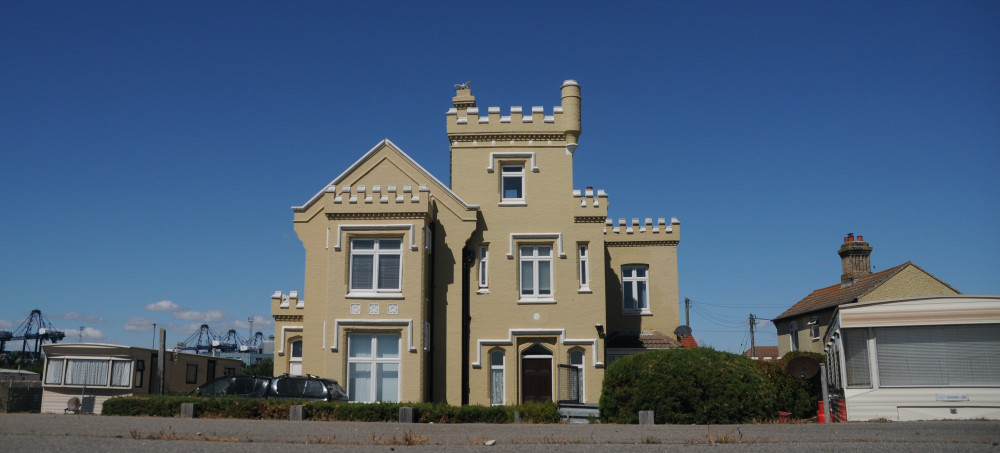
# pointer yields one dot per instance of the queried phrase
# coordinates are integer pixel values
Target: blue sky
(150, 151)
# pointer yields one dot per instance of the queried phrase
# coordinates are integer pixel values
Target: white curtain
(496, 386)
(121, 371)
(939, 356)
(359, 382)
(54, 372)
(388, 382)
(87, 372)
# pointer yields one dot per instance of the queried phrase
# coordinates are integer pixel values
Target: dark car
(310, 388)
(245, 386)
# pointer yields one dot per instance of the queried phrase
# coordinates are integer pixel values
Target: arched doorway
(536, 374)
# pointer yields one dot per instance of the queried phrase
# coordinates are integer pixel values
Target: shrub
(792, 395)
(699, 385)
(267, 409)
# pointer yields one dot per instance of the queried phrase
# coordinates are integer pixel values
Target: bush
(699, 385)
(266, 409)
(793, 395)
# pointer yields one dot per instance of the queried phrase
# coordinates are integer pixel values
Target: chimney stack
(855, 255)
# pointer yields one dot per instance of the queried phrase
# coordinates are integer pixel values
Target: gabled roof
(839, 294)
(385, 143)
(650, 340)
(763, 352)
(689, 342)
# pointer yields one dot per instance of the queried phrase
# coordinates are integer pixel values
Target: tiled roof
(689, 342)
(838, 294)
(651, 340)
(763, 352)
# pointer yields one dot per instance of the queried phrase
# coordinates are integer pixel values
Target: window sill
(638, 313)
(373, 296)
(483, 291)
(585, 291)
(535, 301)
(512, 203)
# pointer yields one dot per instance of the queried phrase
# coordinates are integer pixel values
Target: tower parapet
(643, 230)
(558, 125)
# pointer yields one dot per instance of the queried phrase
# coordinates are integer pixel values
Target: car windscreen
(217, 387)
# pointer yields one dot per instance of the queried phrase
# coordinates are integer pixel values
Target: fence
(20, 396)
(569, 384)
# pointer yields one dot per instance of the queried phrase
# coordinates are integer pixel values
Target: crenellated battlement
(379, 194)
(282, 301)
(466, 122)
(645, 228)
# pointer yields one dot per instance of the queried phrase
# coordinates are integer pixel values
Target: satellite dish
(73, 405)
(802, 367)
(682, 331)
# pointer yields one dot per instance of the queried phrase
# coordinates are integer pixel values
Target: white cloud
(163, 305)
(5, 324)
(203, 316)
(136, 324)
(259, 323)
(74, 316)
(90, 333)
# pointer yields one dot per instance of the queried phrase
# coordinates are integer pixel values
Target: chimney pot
(861, 238)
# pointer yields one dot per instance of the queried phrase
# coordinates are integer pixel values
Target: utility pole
(687, 312)
(753, 346)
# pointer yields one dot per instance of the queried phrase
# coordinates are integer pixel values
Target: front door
(295, 361)
(536, 374)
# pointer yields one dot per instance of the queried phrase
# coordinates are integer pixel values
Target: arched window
(497, 377)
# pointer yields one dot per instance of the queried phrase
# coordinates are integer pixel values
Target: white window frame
(374, 360)
(535, 259)
(375, 252)
(583, 252)
(579, 366)
(629, 275)
(484, 266)
(793, 336)
(814, 328)
(503, 377)
(512, 170)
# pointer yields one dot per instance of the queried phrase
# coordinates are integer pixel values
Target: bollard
(646, 417)
(296, 413)
(517, 416)
(406, 415)
(187, 410)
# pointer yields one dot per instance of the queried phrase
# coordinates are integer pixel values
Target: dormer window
(512, 184)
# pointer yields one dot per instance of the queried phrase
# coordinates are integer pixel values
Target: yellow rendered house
(509, 285)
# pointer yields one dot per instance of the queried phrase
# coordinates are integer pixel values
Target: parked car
(245, 386)
(309, 388)
(285, 387)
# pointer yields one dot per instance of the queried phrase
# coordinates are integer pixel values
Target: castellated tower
(855, 256)
(484, 139)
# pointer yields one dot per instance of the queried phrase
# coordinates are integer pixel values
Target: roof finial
(463, 86)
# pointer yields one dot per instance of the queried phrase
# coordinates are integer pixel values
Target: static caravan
(920, 358)
(93, 372)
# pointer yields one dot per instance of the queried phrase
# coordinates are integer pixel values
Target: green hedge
(699, 385)
(247, 408)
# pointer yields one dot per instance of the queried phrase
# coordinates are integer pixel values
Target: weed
(651, 440)
(409, 438)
